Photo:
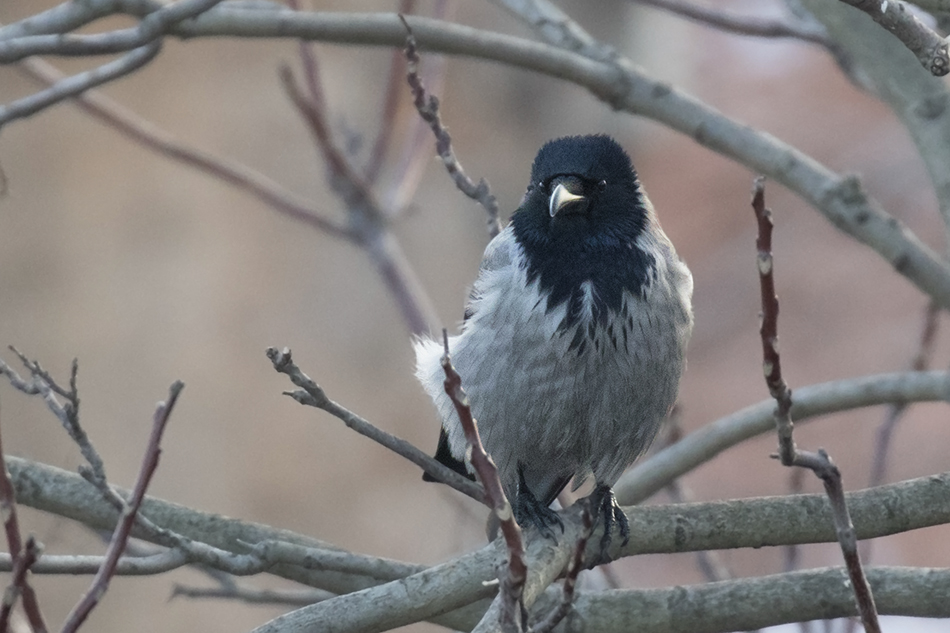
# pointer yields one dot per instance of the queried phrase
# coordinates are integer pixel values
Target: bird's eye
(601, 185)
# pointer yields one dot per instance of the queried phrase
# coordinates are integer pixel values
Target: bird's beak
(561, 197)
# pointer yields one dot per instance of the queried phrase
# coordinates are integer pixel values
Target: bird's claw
(604, 503)
(530, 511)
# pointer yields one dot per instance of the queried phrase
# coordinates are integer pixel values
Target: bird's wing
(443, 455)
(498, 254)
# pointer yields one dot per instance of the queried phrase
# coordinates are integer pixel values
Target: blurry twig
(387, 122)
(249, 595)
(742, 24)
(428, 107)
(819, 463)
(22, 557)
(145, 133)
(710, 562)
(77, 84)
(896, 410)
(367, 221)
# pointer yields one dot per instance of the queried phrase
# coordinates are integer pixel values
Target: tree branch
(428, 108)
(652, 474)
(893, 15)
(312, 395)
(751, 603)
(739, 24)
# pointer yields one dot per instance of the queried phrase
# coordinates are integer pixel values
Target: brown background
(148, 271)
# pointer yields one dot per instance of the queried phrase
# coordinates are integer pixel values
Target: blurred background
(148, 271)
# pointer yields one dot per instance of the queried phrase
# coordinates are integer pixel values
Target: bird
(574, 336)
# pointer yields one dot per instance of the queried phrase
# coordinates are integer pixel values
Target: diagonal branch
(79, 83)
(312, 395)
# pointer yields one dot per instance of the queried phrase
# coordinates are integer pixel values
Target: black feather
(597, 246)
(443, 455)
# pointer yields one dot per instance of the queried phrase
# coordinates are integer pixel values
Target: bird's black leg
(530, 511)
(603, 501)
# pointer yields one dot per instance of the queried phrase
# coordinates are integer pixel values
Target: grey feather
(558, 411)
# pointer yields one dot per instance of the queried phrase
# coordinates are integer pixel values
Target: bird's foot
(530, 511)
(603, 503)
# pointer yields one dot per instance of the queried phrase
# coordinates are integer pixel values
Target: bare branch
(143, 132)
(893, 15)
(739, 24)
(124, 529)
(819, 463)
(428, 107)
(650, 476)
(750, 603)
(79, 83)
(312, 395)
(148, 33)
(621, 84)
(895, 411)
(248, 595)
(762, 522)
(387, 122)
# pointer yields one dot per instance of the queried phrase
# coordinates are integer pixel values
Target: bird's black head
(579, 222)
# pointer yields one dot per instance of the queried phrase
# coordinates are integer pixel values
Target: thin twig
(895, 411)
(516, 571)
(145, 133)
(43, 384)
(22, 560)
(367, 220)
(311, 394)
(123, 530)
(428, 107)
(387, 122)
(149, 31)
(733, 22)
(819, 463)
(352, 186)
(250, 595)
(710, 563)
